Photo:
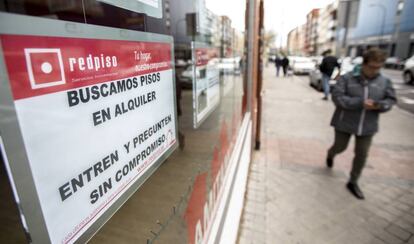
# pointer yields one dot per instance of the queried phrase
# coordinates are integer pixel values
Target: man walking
(327, 67)
(278, 63)
(285, 65)
(360, 96)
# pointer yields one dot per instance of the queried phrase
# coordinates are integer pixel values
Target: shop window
(179, 201)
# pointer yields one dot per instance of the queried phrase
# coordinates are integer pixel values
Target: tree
(269, 40)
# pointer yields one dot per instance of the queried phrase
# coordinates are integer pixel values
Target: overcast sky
(281, 16)
(232, 8)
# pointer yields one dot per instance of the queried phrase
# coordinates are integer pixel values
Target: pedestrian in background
(360, 96)
(329, 63)
(178, 88)
(278, 64)
(285, 65)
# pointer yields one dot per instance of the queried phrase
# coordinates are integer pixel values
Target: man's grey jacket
(349, 94)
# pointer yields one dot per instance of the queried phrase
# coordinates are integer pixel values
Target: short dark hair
(374, 54)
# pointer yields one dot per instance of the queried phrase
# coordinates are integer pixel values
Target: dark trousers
(284, 70)
(362, 145)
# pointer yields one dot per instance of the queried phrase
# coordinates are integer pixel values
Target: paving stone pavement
(293, 198)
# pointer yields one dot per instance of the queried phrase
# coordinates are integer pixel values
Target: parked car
(180, 63)
(408, 73)
(347, 64)
(301, 65)
(394, 63)
(315, 77)
(186, 78)
(229, 66)
(271, 58)
(357, 60)
(317, 60)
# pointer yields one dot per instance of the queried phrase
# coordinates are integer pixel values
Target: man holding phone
(360, 96)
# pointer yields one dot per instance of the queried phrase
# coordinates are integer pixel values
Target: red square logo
(45, 67)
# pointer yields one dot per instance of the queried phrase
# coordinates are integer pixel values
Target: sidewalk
(293, 198)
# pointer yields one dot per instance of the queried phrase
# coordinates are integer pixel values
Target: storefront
(127, 121)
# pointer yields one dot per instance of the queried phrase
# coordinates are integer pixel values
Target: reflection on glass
(179, 201)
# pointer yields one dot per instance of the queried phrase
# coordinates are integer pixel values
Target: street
(292, 197)
(405, 92)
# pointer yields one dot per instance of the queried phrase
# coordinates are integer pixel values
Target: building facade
(227, 36)
(213, 32)
(311, 34)
(296, 41)
(327, 28)
(386, 24)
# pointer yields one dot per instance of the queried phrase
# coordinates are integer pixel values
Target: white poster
(206, 82)
(95, 115)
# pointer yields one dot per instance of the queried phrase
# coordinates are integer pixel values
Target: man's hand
(369, 104)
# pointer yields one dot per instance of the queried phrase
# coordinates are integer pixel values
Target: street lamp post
(348, 6)
(384, 12)
(397, 22)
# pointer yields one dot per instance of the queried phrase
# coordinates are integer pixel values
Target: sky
(281, 16)
(232, 8)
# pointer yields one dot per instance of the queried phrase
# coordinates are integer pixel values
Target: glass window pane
(178, 202)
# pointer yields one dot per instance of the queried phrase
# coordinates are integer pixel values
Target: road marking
(407, 100)
(398, 86)
(405, 92)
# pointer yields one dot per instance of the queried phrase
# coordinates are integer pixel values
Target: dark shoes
(329, 162)
(354, 189)
(325, 98)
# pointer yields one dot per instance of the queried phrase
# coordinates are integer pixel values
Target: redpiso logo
(45, 67)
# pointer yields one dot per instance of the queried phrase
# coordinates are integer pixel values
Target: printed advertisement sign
(206, 82)
(150, 7)
(95, 115)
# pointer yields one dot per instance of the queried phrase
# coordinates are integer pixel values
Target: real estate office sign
(93, 118)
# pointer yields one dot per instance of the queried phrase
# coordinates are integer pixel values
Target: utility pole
(384, 13)
(347, 20)
(347, 12)
(397, 22)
